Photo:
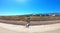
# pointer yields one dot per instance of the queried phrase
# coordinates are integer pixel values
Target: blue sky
(21, 7)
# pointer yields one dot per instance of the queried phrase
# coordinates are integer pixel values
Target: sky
(22, 7)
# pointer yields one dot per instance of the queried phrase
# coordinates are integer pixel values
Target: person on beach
(28, 21)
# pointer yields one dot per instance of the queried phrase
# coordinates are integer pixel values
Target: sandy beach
(11, 28)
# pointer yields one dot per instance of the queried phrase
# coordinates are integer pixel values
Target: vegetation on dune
(32, 18)
(44, 18)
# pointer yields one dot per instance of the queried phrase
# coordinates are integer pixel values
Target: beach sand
(10, 28)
